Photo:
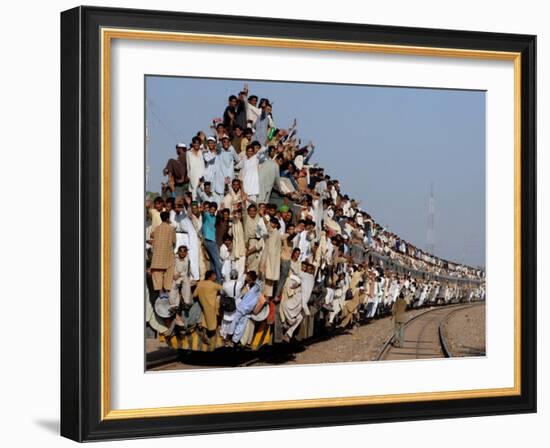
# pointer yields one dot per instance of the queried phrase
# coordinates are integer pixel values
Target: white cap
(211, 139)
(181, 145)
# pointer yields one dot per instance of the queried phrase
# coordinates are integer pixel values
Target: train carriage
(260, 334)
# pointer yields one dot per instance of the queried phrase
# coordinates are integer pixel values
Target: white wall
(30, 171)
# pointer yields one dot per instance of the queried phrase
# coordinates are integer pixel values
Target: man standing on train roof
(245, 141)
(252, 109)
(195, 165)
(176, 170)
(398, 316)
(249, 174)
(237, 138)
(268, 173)
(211, 160)
(235, 196)
(230, 113)
(205, 193)
(218, 128)
(228, 159)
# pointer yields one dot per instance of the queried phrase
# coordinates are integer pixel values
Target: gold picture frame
(119, 25)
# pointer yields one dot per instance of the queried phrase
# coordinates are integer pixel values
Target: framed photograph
(275, 223)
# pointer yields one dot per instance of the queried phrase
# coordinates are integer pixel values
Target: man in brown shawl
(271, 256)
(350, 308)
(252, 241)
(238, 251)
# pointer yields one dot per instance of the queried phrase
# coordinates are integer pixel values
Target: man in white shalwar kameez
(191, 226)
(176, 217)
(212, 161)
(226, 257)
(188, 230)
(249, 167)
(378, 295)
(251, 106)
(249, 174)
(226, 167)
(232, 287)
(195, 165)
(307, 282)
(303, 242)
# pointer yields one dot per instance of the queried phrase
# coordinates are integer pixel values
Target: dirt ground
(362, 343)
(465, 332)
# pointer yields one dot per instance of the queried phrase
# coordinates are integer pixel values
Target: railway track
(424, 336)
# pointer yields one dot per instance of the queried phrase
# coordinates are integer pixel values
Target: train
(452, 290)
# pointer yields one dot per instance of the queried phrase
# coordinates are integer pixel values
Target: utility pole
(430, 240)
(147, 168)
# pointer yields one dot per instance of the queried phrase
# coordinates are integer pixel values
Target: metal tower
(430, 240)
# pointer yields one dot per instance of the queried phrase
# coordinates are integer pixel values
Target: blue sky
(385, 145)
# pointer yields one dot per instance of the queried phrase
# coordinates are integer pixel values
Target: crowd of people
(246, 230)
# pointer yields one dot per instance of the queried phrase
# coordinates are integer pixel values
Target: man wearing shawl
(291, 308)
(286, 254)
(271, 256)
(238, 250)
(234, 198)
(245, 307)
(351, 307)
(253, 243)
(307, 279)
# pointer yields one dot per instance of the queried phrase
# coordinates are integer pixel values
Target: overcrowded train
(248, 244)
